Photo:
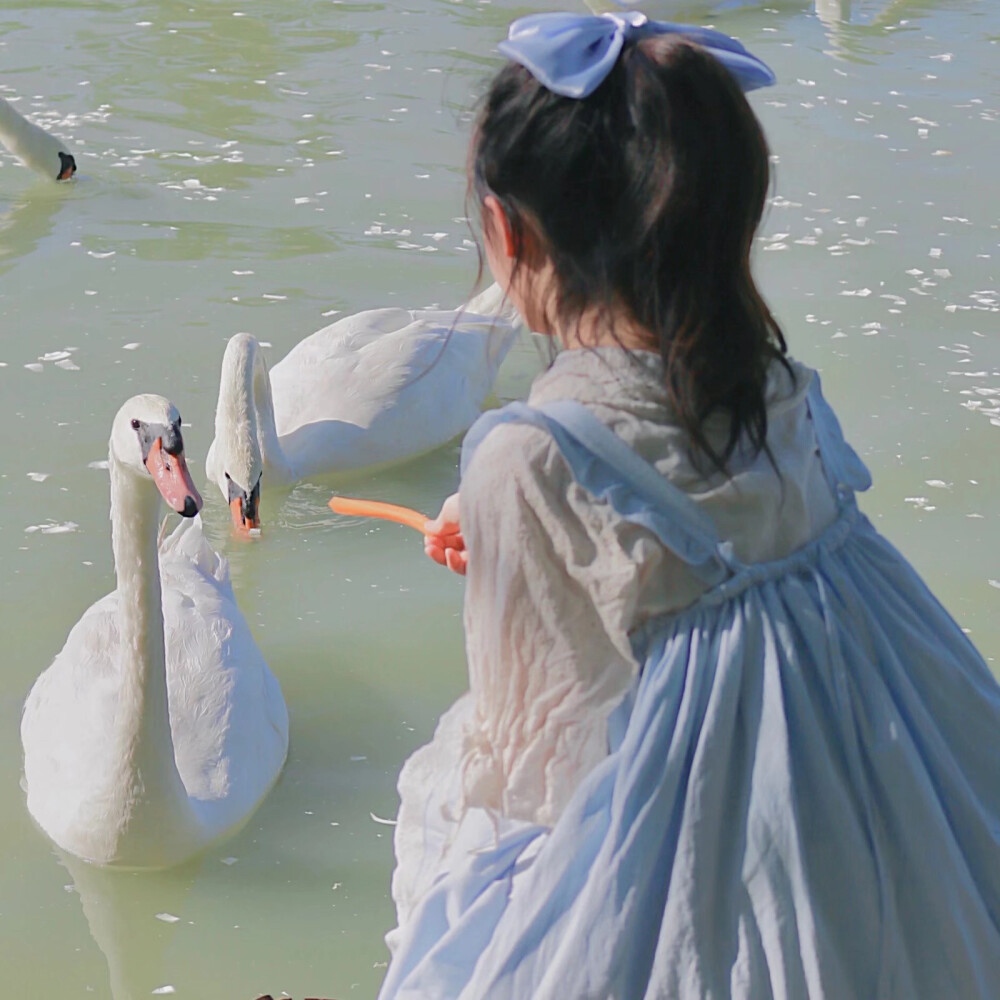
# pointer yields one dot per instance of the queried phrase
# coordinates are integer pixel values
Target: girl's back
(572, 660)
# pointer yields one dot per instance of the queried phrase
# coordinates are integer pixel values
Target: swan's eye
(135, 425)
(227, 477)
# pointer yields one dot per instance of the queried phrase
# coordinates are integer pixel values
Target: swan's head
(67, 166)
(244, 502)
(235, 461)
(146, 440)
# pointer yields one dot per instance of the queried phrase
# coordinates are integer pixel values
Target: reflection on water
(267, 167)
(118, 917)
(28, 220)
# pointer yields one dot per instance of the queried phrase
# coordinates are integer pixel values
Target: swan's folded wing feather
(75, 697)
(185, 547)
(228, 718)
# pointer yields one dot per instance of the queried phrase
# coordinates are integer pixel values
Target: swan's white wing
(227, 716)
(385, 385)
(70, 754)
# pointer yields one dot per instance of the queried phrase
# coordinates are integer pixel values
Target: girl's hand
(444, 542)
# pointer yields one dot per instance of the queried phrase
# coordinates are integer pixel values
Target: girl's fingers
(456, 561)
(453, 558)
(447, 521)
(434, 550)
(443, 529)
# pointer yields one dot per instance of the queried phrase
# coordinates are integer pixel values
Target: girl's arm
(544, 596)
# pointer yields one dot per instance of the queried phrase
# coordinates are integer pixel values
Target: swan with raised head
(158, 728)
(35, 147)
(376, 387)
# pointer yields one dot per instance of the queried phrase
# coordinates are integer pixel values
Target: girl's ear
(499, 226)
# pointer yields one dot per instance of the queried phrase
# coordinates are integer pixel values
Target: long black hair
(645, 196)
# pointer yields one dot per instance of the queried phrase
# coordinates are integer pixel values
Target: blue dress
(801, 798)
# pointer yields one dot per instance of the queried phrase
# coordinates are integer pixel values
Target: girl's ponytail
(646, 196)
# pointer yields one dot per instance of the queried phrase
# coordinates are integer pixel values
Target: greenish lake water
(261, 166)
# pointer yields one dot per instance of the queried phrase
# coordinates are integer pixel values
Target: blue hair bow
(571, 54)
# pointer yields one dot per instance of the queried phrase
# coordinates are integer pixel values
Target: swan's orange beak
(170, 473)
(246, 513)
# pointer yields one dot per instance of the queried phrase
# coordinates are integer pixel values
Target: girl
(720, 740)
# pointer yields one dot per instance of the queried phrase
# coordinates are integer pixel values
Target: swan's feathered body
(35, 147)
(384, 385)
(108, 777)
(372, 388)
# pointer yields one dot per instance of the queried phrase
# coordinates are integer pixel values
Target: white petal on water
(39, 477)
(52, 528)
(160, 990)
(379, 819)
(102, 464)
(167, 918)
(229, 861)
(34, 366)
(134, 346)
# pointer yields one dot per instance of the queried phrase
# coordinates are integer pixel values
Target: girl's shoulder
(510, 452)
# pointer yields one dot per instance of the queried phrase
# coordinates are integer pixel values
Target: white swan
(35, 147)
(376, 387)
(158, 728)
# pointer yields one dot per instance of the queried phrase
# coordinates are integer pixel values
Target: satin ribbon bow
(571, 54)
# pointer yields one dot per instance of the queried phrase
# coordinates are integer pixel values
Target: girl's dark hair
(645, 196)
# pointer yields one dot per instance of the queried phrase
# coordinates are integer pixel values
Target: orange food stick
(375, 508)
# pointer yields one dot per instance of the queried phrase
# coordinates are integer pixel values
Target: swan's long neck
(273, 455)
(244, 418)
(155, 807)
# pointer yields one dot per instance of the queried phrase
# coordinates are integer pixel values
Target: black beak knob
(190, 507)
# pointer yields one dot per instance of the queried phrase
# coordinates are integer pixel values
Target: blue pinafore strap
(611, 471)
